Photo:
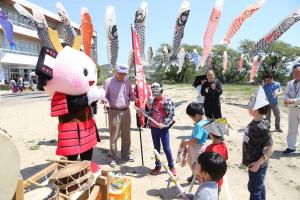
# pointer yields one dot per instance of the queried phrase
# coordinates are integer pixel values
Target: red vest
(158, 111)
(77, 132)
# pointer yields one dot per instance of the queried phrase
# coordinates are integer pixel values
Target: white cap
(156, 86)
(259, 99)
(218, 127)
(156, 89)
(122, 68)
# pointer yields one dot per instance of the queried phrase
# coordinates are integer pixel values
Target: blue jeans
(256, 185)
(163, 135)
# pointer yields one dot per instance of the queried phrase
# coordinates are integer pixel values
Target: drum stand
(97, 192)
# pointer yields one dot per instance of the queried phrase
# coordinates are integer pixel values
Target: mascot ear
(53, 35)
(44, 66)
(77, 42)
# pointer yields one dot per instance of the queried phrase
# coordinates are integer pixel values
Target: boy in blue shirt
(273, 90)
(196, 145)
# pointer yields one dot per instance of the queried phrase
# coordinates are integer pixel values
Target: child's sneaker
(113, 163)
(173, 171)
(155, 171)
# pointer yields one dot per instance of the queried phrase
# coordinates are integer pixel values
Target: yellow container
(124, 194)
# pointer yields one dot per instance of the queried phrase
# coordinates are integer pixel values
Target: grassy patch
(34, 147)
(230, 91)
(292, 166)
(239, 90)
(242, 167)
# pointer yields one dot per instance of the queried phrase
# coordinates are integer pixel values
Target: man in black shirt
(212, 90)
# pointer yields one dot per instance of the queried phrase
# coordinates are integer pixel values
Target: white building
(22, 61)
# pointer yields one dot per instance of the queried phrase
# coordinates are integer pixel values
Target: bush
(5, 87)
(103, 74)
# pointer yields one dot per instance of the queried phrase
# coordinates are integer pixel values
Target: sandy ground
(34, 133)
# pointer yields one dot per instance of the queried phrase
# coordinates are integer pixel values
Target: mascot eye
(85, 71)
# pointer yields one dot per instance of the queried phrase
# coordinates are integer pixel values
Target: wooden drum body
(73, 178)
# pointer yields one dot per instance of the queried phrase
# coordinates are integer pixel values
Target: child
(217, 146)
(199, 136)
(257, 145)
(211, 168)
(162, 110)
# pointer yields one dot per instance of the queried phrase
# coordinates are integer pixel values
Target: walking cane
(105, 115)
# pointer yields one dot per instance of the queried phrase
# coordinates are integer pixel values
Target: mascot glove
(95, 94)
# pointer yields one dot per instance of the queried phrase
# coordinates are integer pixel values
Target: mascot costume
(69, 76)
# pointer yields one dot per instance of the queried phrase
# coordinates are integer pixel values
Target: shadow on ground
(242, 130)
(48, 142)
(238, 105)
(182, 128)
(100, 155)
(103, 130)
(29, 171)
(136, 172)
(278, 154)
(183, 138)
(38, 97)
(164, 193)
(179, 103)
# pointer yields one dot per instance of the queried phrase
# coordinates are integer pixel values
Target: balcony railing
(18, 52)
(22, 24)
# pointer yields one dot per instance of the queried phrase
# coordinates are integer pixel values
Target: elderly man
(273, 90)
(119, 93)
(292, 99)
(212, 90)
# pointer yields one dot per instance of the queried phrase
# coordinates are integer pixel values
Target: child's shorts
(193, 152)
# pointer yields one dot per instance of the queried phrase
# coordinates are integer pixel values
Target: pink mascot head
(74, 73)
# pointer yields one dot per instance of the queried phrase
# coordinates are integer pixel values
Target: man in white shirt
(292, 99)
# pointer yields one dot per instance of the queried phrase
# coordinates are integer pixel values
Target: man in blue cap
(119, 93)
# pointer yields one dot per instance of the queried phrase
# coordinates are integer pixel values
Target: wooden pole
(94, 193)
(137, 96)
(40, 174)
(62, 161)
(19, 195)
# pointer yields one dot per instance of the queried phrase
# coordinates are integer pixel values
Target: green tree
(188, 72)
(277, 57)
(232, 75)
(102, 73)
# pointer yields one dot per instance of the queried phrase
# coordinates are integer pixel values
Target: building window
(14, 73)
(6, 74)
(17, 19)
(21, 45)
(26, 74)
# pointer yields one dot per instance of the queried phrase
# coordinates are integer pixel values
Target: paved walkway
(8, 98)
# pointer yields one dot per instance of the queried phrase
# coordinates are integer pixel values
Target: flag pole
(139, 127)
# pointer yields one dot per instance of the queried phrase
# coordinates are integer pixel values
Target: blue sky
(162, 15)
